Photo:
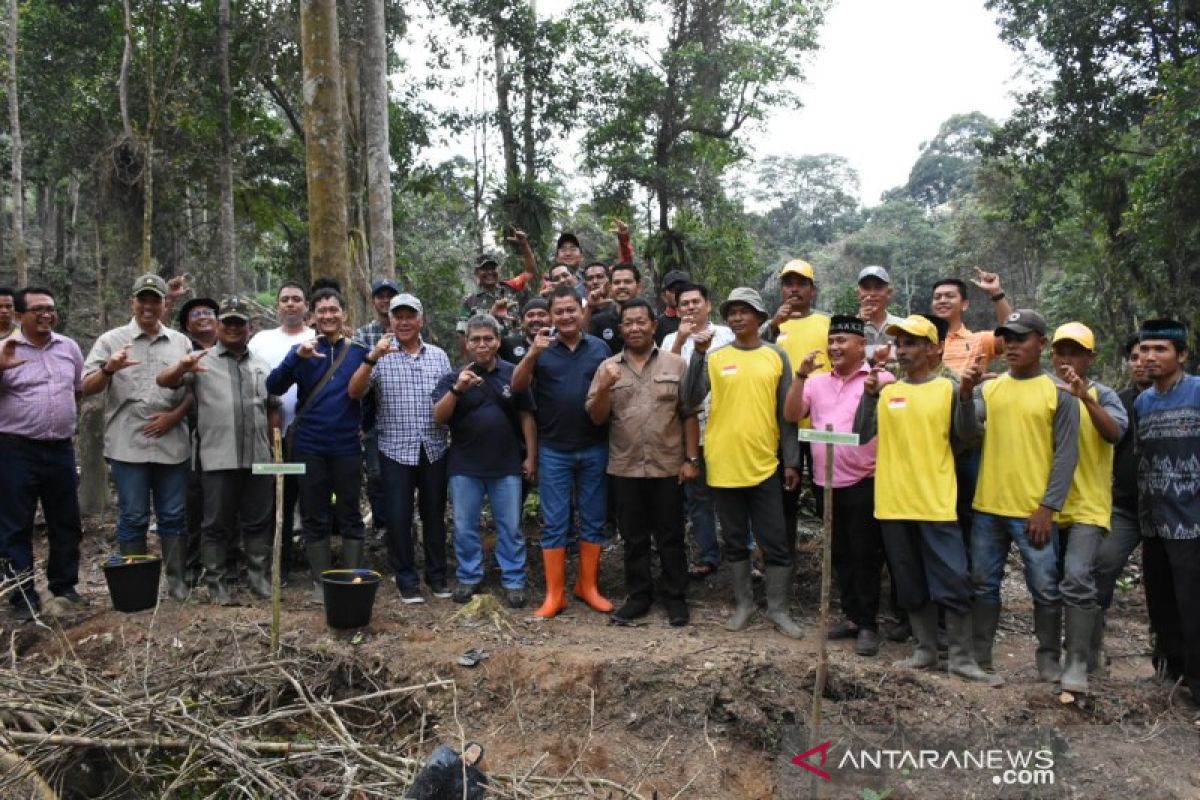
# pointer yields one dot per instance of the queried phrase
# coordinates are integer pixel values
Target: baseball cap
(1075, 332)
(1023, 321)
(798, 267)
(233, 308)
(536, 302)
(186, 311)
(485, 259)
(675, 276)
(874, 272)
(566, 237)
(406, 301)
(917, 326)
(743, 294)
(384, 283)
(149, 283)
(846, 323)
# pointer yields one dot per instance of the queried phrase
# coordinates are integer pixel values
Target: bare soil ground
(695, 712)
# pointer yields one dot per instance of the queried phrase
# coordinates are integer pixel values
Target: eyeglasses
(200, 313)
(41, 310)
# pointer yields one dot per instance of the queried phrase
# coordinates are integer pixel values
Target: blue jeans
(560, 471)
(136, 485)
(990, 542)
(703, 514)
(505, 493)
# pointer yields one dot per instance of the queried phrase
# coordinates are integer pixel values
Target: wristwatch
(998, 296)
(454, 391)
(694, 461)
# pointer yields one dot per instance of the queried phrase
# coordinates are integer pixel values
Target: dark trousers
(427, 480)
(237, 504)
(857, 550)
(652, 507)
(291, 496)
(966, 472)
(928, 563)
(327, 477)
(195, 521)
(33, 470)
(1171, 574)
(760, 507)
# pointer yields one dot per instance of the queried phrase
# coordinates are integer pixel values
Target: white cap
(406, 301)
(874, 272)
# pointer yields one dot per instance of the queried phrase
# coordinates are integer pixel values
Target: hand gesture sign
(385, 345)
(120, 360)
(499, 309)
(686, 326)
(191, 362)
(872, 386)
(610, 373)
(597, 298)
(619, 227)
(544, 339)
(1075, 384)
(973, 375)
(882, 353)
(8, 355)
(808, 364)
(519, 238)
(308, 349)
(466, 379)
(703, 340)
(178, 286)
(782, 315)
(988, 281)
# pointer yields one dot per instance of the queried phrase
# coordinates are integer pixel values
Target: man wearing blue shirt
(572, 450)
(325, 434)
(403, 370)
(493, 443)
(1168, 438)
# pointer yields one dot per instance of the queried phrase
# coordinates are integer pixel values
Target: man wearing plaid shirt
(382, 292)
(403, 370)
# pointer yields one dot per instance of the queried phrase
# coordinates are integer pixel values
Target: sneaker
(440, 589)
(516, 598)
(411, 595)
(463, 592)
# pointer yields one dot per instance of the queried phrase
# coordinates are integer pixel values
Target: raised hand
(610, 373)
(686, 326)
(543, 340)
(988, 281)
(385, 345)
(309, 349)
(882, 353)
(808, 364)
(1075, 384)
(620, 228)
(703, 339)
(8, 355)
(519, 238)
(120, 360)
(973, 375)
(782, 315)
(499, 309)
(178, 286)
(466, 379)
(191, 362)
(872, 387)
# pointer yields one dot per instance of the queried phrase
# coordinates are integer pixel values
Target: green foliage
(946, 167)
(814, 199)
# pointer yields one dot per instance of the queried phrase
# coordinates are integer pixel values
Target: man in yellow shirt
(1030, 448)
(798, 329)
(915, 496)
(743, 443)
(1085, 517)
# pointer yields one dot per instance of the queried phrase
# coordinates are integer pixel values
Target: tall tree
(324, 141)
(14, 131)
(225, 230)
(376, 117)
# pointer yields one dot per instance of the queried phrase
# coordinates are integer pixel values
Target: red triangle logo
(802, 759)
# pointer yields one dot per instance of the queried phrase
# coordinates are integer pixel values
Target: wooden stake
(277, 548)
(814, 722)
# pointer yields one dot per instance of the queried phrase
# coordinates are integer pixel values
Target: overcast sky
(888, 72)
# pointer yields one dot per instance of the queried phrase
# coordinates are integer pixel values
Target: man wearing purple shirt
(41, 377)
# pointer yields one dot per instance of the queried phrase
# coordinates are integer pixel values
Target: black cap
(1169, 329)
(536, 302)
(1023, 321)
(186, 310)
(384, 283)
(675, 276)
(234, 308)
(566, 237)
(844, 323)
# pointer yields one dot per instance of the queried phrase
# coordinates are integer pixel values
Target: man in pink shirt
(831, 398)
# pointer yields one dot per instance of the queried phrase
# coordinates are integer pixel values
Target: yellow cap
(1075, 332)
(916, 325)
(799, 267)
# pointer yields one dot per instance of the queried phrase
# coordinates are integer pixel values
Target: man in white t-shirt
(272, 345)
(691, 302)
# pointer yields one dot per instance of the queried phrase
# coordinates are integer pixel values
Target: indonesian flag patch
(729, 370)
(897, 402)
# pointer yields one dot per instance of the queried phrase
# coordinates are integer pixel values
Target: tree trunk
(504, 118)
(14, 131)
(324, 141)
(357, 290)
(227, 235)
(375, 114)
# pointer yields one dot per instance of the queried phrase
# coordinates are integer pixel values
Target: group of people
(653, 420)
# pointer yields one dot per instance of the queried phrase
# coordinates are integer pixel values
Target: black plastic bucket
(349, 596)
(132, 581)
